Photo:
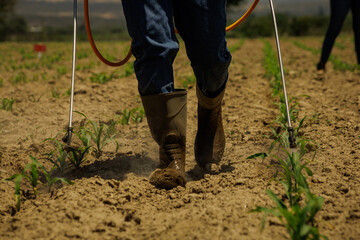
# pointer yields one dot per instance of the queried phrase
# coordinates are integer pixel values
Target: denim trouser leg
(355, 7)
(339, 10)
(201, 23)
(150, 24)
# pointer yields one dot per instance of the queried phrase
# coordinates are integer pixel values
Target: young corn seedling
(299, 221)
(6, 104)
(51, 180)
(297, 216)
(55, 93)
(100, 134)
(20, 77)
(61, 70)
(188, 81)
(58, 156)
(77, 155)
(17, 179)
(102, 77)
(32, 176)
(293, 110)
(135, 115)
(129, 69)
(337, 63)
(138, 115)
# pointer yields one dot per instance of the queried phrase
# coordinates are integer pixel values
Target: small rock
(240, 182)
(330, 216)
(186, 199)
(318, 179)
(178, 204)
(110, 202)
(172, 195)
(343, 189)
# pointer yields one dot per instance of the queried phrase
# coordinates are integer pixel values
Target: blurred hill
(105, 13)
(58, 13)
(293, 7)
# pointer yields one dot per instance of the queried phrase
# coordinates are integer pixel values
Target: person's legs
(150, 24)
(355, 7)
(201, 23)
(339, 10)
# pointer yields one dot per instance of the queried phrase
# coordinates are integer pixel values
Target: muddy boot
(166, 116)
(210, 137)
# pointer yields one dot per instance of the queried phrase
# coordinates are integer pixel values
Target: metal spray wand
(290, 128)
(67, 137)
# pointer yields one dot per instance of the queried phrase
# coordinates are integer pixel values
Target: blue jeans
(339, 10)
(201, 24)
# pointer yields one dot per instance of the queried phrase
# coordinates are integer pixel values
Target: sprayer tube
(70, 129)
(290, 129)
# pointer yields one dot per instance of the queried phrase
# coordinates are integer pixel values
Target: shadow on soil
(198, 173)
(116, 168)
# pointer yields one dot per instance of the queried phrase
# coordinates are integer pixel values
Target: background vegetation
(14, 28)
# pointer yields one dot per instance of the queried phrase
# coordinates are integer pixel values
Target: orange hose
(92, 43)
(240, 20)
(122, 62)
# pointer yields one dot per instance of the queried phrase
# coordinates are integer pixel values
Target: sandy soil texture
(112, 198)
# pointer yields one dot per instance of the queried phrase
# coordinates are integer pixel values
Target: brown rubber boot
(210, 137)
(166, 116)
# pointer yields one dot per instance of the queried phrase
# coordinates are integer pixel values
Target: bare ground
(111, 197)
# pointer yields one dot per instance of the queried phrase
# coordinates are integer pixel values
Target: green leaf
(308, 171)
(305, 230)
(278, 202)
(256, 155)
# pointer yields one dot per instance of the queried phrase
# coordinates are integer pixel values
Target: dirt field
(111, 197)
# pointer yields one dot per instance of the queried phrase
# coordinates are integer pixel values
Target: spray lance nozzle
(291, 137)
(67, 138)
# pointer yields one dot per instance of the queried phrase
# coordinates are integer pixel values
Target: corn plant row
(91, 137)
(31, 172)
(338, 64)
(236, 46)
(298, 208)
